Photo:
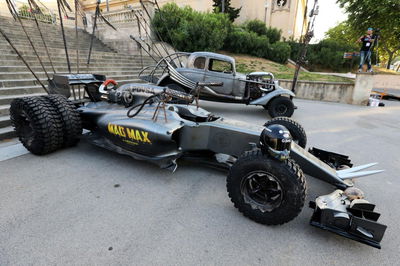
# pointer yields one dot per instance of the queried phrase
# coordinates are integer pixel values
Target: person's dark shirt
(366, 43)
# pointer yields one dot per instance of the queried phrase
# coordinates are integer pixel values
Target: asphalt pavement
(89, 206)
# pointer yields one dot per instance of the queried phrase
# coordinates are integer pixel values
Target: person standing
(366, 49)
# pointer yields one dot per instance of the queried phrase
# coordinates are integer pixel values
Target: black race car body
(139, 120)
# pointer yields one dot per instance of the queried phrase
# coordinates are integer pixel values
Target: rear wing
(69, 84)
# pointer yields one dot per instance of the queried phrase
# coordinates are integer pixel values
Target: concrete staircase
(17, 81)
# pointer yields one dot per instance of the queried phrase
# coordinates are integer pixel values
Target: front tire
(266, 190)
(296, 130)
(280, 106)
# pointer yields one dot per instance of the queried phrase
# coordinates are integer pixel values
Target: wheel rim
(281, 109)
(26, 128)
(262, 191)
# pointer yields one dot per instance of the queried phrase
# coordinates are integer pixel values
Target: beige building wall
(289, 17)
(51, 5)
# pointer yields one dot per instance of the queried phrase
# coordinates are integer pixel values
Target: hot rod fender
(268, 97)
(162, 79)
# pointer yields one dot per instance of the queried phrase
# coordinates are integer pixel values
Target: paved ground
(88, 206)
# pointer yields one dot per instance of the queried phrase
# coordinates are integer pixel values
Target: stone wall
(382, 81)
(342, 92)
(322, 91)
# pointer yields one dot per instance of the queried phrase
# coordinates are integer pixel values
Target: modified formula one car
(181, 72)
(266, 180)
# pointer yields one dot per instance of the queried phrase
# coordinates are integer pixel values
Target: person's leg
(362, 60)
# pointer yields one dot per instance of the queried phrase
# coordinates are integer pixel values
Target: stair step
(7, 99)
(4, 109)
(7, 133)
(21, 90)
(5, 121)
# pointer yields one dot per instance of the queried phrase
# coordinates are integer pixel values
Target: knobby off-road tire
(266, 190)
(296, 130)
(280, 106)
(72, 124)
(37, 124)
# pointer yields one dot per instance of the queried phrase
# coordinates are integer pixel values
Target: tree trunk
(390, 59)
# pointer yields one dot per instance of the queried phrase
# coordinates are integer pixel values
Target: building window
(281, 3)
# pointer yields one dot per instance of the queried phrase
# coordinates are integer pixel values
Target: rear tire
(280, 106)
(266, 190)
(296, 130)
(37, 124)
(72, 124)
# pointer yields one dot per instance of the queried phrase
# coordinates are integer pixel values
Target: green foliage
(279, 52)
(326, 55)
(232, 12)
(259, 27)
(343, 34)
(383, 14)
(25, 12)
(246, 42)
(242, 41)
(256, 26)
(188, 30)
(274, 34)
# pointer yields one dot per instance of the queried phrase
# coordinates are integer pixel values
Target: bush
(246, 42)
(188, 30)
(279, 52)
(259, 27)
(326, 55)
(256, 26)
(274, 35)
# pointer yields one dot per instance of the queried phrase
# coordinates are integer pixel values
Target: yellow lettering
(131, 133)
(138, 137)
(115, 130)
(110, 128)
(122, 132)
(146, 137)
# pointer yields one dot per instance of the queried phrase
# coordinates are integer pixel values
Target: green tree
(189, 30)
(231, 11)
(383, 14)
(343, 34)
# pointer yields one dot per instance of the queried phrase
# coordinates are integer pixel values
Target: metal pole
(168, 31)
(63, 34)
(303, 53)
(148, 35)
(30, 41)
(108, 6)
(140, 37)
(41, 35)
(76, 36)
(157, 33)
(223, 6)
(93, 32)
(23, 60)
(147, 52)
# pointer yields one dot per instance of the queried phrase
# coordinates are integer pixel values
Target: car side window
(220, 66)
(199, 63)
